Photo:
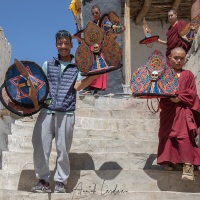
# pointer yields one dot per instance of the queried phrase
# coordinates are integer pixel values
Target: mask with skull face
(98, 53)
(154, 76)
(96, 48)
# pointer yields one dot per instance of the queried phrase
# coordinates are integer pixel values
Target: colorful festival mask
(25, 88)
(98, 53)
(189, 31)
(155, 79)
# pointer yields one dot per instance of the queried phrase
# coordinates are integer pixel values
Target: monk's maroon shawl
(173, 38)
(177, 120)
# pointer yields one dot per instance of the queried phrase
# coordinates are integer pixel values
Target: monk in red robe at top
(173, 38)
(178, 127)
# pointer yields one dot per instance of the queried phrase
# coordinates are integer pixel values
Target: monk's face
(96, 13)
(172, 17)
(177, 59)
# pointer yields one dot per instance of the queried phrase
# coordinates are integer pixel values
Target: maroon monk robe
(173, 38)
(100, 82)
(178, 129)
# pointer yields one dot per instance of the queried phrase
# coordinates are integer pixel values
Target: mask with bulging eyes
(154, 76)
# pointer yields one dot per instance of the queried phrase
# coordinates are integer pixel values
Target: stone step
(18, 161)
(18, 144)
(110, 195)
(107, 124)
(83, 161)
(104, 103)
(130, 135)
(26, 133)
(106, 181)
(118, 124)
(116, 114)
(96, 113)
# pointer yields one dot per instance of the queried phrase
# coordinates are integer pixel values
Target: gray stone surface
(113, 156)
(106, 180)
(112, 195)
(5, 55)
(83, 133)
(5, 124)
(116, 103)
(92, 145)
(193, 60)
(85, 161)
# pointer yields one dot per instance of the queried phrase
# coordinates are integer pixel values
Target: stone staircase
(113, 156)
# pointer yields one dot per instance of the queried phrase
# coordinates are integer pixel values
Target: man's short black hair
(94, 7)
(63, 33)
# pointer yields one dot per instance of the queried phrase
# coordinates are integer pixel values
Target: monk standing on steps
(178, 127)
(173, 38)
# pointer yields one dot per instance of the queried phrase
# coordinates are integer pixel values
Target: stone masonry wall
(5, 55)
(193, 60)
(5, 119)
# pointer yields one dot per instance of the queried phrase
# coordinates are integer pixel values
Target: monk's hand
(158, 41)
(175, 100)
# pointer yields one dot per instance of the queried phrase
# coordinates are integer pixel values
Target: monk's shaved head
(173, 10)
(177, 59)
(177, 49)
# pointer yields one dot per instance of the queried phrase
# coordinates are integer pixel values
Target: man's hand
(79, 85)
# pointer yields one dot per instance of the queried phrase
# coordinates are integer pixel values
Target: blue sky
(30, 27)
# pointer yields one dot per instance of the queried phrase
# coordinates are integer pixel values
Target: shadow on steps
(171, 180)
(78, 163)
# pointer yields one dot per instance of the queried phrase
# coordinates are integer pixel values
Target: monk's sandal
(188, 172)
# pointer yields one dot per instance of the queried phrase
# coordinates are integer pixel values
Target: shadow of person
(151, 163)
(81, 161)
(78, 162)
(170, 180)
(27, 180)
(109, 170)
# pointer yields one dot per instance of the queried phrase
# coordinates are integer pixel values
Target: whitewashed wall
(141, 52)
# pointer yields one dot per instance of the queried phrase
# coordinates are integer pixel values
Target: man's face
(96, 14)
(172, 17)
(177, 60)
(64, 46)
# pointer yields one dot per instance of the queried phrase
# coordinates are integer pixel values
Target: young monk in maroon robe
(173, 38)
(178, 128)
